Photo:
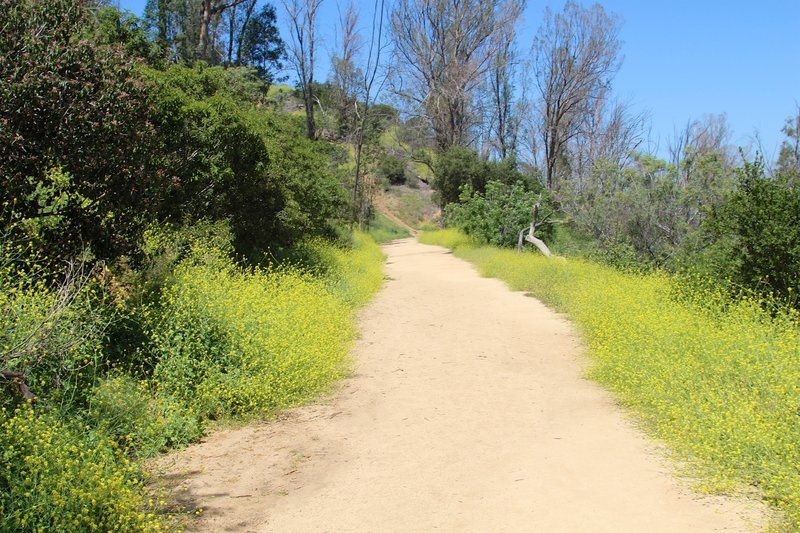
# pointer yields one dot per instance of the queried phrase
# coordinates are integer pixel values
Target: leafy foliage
(757, 234)
(229, 160)
(220, 340)
(392, 169)
(262, 46)
(72, 103)
(234, 342)
(58, 476)
(496, 216)
(50, 338)
(460, 166)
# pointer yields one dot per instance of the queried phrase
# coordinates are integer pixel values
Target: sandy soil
(467, 411)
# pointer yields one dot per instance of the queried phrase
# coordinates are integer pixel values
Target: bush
(756, 235)
(232, 160)
(496, 216)
(234, 342)
(459, 167)
(69, 102)
(220, 340)
(454, 169)
(393, 169)
(140, 423)
(51, 337)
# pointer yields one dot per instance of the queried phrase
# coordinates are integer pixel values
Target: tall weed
(217, 339)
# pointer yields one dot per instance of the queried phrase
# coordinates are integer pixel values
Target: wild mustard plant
(241, 342)
(221, 340)
(56, 476)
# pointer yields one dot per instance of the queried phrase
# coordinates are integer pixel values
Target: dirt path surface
(467, 412)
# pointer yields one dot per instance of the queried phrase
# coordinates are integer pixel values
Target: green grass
(279, 89)
(718, 381)
(384, 230)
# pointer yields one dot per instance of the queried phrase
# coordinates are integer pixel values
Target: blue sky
(684, 59)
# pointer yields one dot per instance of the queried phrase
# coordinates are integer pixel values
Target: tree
(176, 25)
(461, 167)
(238, 18)
(345, 73)
(497, 215)
(759, 229)
(302, 15)
(369, 87)
(261, 45)
(76, 140)
(444, 50)
(575, 54)
(504, 123)
(609, 133)
(208, 30)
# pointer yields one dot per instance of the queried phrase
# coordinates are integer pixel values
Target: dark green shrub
(393, 169)
(456, 168)
(757, 234)
(68, 102)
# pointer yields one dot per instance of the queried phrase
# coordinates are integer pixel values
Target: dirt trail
(467, 412)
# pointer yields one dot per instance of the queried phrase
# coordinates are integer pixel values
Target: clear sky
(683, 59)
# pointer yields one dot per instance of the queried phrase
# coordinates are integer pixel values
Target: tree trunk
(308, 97)
(247, 15)
(539, 244)
(231, 32)
(205, 20)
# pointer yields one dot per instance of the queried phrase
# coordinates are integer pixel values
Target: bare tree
(699, 140)
(345, 73)
(609, 132)
(302, 15)
(574, 56)
(504, 123)
(444, 50)
(788, 165)
(371, 84)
